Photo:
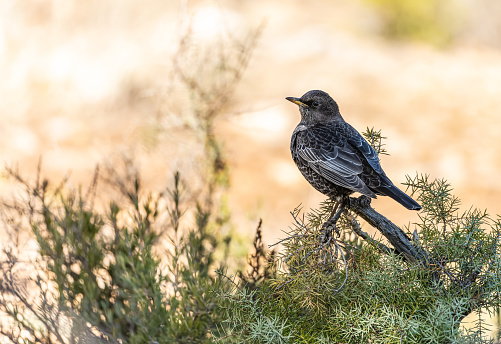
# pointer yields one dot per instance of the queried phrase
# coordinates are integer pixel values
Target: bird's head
(317, 107)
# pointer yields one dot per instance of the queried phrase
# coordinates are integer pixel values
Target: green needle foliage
(359, 291)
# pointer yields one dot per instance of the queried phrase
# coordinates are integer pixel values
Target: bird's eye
(315, 104)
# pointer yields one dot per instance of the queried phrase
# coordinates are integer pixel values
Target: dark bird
(334, 158)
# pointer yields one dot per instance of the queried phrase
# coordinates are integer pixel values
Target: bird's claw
(326, 233)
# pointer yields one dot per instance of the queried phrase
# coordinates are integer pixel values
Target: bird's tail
(398, 195)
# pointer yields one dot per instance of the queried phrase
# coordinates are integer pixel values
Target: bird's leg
(334, 209)
(330, 224)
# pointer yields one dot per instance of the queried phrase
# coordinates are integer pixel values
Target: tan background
(83, 80)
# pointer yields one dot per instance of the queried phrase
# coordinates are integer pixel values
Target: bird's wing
(370, 154)
(332, 158)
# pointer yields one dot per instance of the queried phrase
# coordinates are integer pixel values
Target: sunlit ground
(81, 81)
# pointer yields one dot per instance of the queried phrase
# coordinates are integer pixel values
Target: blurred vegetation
(98, 277)
(428, 21)
(142, 268)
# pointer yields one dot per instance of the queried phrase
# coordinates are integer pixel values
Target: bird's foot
(330, 225)
(328, 228)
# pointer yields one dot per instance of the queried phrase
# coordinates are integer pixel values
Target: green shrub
(357, 289)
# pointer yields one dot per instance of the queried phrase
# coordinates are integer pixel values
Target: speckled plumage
(333, 157)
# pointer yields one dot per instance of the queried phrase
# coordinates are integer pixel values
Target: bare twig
(345, 268)
(288, 238)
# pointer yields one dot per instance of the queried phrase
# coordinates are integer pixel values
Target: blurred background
(83, 81)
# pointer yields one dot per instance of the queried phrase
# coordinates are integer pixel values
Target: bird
(334, 158)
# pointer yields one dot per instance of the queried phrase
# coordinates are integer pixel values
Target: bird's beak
(296, 101)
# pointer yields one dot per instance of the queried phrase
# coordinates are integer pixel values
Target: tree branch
(400, 241)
